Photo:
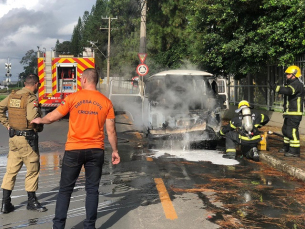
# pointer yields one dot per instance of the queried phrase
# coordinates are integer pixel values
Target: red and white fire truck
(59, 76)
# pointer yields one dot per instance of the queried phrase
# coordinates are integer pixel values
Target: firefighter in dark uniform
(293, 92)
(243, 130)
(22, 107)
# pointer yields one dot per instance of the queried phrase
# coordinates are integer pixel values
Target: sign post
(8, 74)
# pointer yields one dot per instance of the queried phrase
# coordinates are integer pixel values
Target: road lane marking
(167, 204)
(138, 135)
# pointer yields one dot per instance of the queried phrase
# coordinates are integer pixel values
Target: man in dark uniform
(22, 107)
(243, 130)
(293, 92)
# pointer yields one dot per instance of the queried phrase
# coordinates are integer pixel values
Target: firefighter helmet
(294, 70)
(242, 104)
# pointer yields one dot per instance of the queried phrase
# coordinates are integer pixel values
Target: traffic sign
(142, 69)
(142, 57)
(8, 65)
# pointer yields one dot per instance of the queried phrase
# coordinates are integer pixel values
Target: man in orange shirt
(89, 111)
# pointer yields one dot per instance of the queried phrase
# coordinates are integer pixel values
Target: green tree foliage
(167, 36)
(64, 47)
(30, 63)
(76, 41)
(224, 37)
(243, 36)
(125, 36)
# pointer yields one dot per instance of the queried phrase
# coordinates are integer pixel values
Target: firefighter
(293, 92)
(22, 107)
(243, 130)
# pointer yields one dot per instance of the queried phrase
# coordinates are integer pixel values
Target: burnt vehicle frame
(182, 105)
(185, 105)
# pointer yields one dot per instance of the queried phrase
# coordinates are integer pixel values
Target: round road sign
(142, 69)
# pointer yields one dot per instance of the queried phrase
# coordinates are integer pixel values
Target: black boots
(293, 152)
(229, 155)
(253, 154)
(7, 206)
(33, 203)
(284, 149)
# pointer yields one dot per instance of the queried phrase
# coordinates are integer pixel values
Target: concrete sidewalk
(294, 166)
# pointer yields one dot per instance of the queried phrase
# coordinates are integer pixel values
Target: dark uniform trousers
(20, 152)
(290, 131)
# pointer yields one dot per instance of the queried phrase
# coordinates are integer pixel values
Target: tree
(30, 63)
(167, 38)
(76, 41)
(244, 36)
(64, 47)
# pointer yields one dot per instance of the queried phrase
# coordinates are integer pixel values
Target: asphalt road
(161, 188)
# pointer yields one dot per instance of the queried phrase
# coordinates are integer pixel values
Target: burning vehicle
(184, 105)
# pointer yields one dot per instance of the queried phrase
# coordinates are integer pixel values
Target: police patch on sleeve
(35, 103)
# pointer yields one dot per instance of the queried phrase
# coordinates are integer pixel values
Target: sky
(28, 24)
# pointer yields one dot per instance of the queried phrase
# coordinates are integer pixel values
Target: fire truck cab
(60, 76)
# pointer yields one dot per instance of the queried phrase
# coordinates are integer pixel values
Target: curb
(282, 166)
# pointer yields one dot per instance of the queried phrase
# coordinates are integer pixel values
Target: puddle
(213, 156)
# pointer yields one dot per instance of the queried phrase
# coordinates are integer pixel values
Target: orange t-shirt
(88, 113)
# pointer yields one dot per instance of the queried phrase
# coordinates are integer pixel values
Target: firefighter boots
(33, 203)
(253, 154)
(229, 155)
(284, 149)
(293, 152)
(7, 206)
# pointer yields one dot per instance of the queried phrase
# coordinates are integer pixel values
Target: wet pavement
(165, 188)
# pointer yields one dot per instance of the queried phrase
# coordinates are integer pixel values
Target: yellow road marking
(167, 204)
(138, 135)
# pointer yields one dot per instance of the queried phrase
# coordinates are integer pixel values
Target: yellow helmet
(242, 104)
(294, 70)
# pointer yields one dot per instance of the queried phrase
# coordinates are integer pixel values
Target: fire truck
(59, 76)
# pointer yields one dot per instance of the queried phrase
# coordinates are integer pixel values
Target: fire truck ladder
(48, 72)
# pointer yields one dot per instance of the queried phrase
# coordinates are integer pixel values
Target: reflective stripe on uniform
(293, 113)
(286, 140)
(230, 150)
(221, 132)
(234, 127)
(292, 88)
(295, 142)
(295, 138)
(250, 139)
(263, 118)
(299, 104)
(277, 88)
(294, 145)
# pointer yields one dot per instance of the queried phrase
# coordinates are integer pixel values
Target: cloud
(28, 24)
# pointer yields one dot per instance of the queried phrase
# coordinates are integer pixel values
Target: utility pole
(143, 27)
(108, 51)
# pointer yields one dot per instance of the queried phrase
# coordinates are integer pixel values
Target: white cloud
(28, 24)
(67, 29)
